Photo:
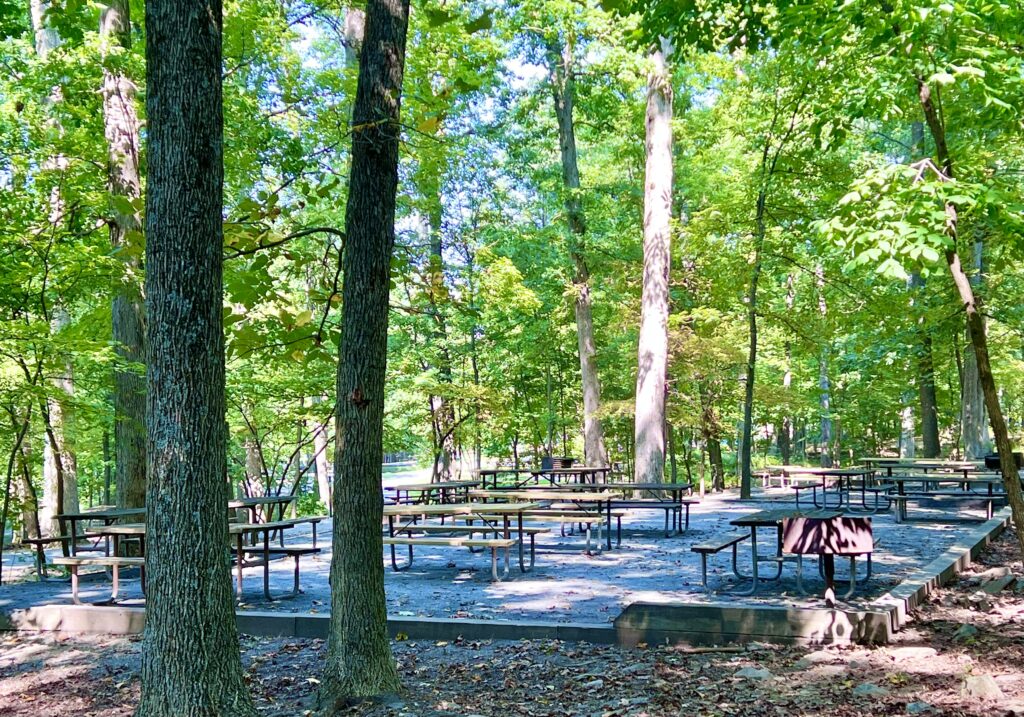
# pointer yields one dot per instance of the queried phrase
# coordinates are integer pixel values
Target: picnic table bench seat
(114, 562)
(531, 530)
(714, 545)
(38, 544)
(290, 551)
(901, 500)
(680, 508)
(493, 544)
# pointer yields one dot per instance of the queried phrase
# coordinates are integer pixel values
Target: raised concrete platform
(721, 622)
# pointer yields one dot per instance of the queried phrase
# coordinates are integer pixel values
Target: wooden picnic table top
(256, 501)
(648, 486)
(570, 496)
(105, 514)
(432, 486)
(774, 517)
(135, 529)
(943, 478)
(499, 471)
(938, 462)
(845, 472)
(458, 509)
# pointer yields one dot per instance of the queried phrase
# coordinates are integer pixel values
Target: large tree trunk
(652, 358)
(359, 662)
(190, 658)
(562, 68)
(975, 323)
(974, 422)
(121, 128)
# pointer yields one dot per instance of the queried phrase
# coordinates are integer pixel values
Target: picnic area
(609, 358)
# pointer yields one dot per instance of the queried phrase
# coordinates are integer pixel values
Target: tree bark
(652, 358)
(975, 322)
(121, 128)
(907, 429)
(190, 658)
(974, 424)
(746, 481)
(931, 447)
(824, 388)
(562, 68)
(359, 662)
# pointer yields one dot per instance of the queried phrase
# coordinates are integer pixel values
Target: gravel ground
(566, 586)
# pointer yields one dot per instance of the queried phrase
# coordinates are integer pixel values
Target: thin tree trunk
(975, 323)
(562, 68)
(323, 482)
(974, 423)
(359, 663)
(907, 429)
(746, 480)
(824, 388)
(652, 358)
(190, 658)
(121, 128)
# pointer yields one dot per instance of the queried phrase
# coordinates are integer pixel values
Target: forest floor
(963, 654)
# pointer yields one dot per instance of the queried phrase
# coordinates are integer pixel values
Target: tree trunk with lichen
(190, 659)
(652, 353)
(359, 663)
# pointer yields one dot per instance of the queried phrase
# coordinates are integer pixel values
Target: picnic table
(554, 477)
(765, 519)
(254, 503)
(923, 464)
(676, 503)
(452, 491)
(579, 498)
(239, 531)
(962, 489)
(843, 478)
(403, 519)
(107, 516)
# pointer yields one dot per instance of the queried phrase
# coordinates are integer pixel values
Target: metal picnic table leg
(522, 562)
(608, 513)
(72, 532)
(753, 565)
(239, 545)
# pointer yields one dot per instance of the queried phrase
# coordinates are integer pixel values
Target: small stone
(989, 575)
(869, 690)
(982, 687)
(857, 665)
(998, 585)
(964, 632)
(918, 708)
(818, 657)
(902, 654)
(593, 685)
(753, 673)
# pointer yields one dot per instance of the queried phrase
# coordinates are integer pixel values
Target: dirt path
(963, 655)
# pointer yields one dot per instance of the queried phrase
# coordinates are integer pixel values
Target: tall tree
(562, 68)
(60, 463)
(652, 359)
(190, 658)
(121, 128)
(359, 662)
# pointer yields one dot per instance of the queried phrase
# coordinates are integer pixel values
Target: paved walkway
(566, 586)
